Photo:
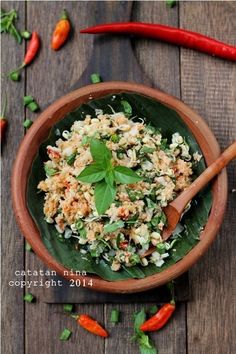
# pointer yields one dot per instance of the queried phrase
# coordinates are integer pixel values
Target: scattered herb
(28, 247)
(27, 123)
(29, 297)
(152, 310)
(25, 34)
(33, 106)
(145, 344)
(105, 175)
(65, 334)
(71, 159)
(68, 307)
(115, 316)
(7, 24)
(14, 76)
(114, 226)
(27, 100)
(171, 3)
(127, 108)
(95, 78)
(115, 138)
(49, 170)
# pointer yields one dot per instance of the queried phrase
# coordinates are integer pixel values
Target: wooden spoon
(175, 209)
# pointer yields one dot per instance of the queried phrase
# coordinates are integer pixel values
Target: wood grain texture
(209, 86)
(161, 63)
(50, 77)
(121, 333)
(12, 306)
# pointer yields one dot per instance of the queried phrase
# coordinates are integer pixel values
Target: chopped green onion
(146, 150)
(115, 138)
(161, 248)
(83, 233)
(95, 78)
(68, 307)
(27, 100)
(171, 3)
(27, 123)
(114, 226)
(14, 76)
(71, 159)
(152, 310)
(29, 297)
(33, 106)
(115, 315)
(120, 155)
(65, 334)
(49, 171)
(28, 247)
(79, 225)
(25, 34)
(127, 108)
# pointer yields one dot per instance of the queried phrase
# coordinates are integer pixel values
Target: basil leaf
(71, 159)
(125, 175)
(139, 318)
(127, 108)
(146, 150)
(114, 226)
(49, 171)
(110, 178)
(145, 345)
(145, 350)
(99, 151)
(104, 196)
(91, 174)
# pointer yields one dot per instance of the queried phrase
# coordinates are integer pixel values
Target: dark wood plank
(11, 241)
(69, 293)
(108, 59)
(49, 77)
(160, 62)
(209, 86)
(171, 339)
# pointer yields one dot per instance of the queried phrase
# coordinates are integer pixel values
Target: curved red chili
(32, 50)
(3, 123)
(173, 35)
(157, 321)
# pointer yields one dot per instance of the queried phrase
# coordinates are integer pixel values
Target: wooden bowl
(40, 131)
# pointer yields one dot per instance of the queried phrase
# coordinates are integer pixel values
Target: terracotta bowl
(40, 131)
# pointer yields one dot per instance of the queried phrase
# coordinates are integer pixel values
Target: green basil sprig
(105, 175)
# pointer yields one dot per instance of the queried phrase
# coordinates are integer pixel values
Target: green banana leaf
(169, 122)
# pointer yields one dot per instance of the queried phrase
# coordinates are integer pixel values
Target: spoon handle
(185, 197)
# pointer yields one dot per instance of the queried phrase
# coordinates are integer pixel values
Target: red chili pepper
(159, 319)
(91, 325)
(3, 123)
(61, 32)
(123, 245)
(32, 49)
(173, 35)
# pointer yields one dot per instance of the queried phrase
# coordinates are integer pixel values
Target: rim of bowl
(39, 131)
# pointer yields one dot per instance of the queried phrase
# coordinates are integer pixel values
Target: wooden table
(205, 323)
